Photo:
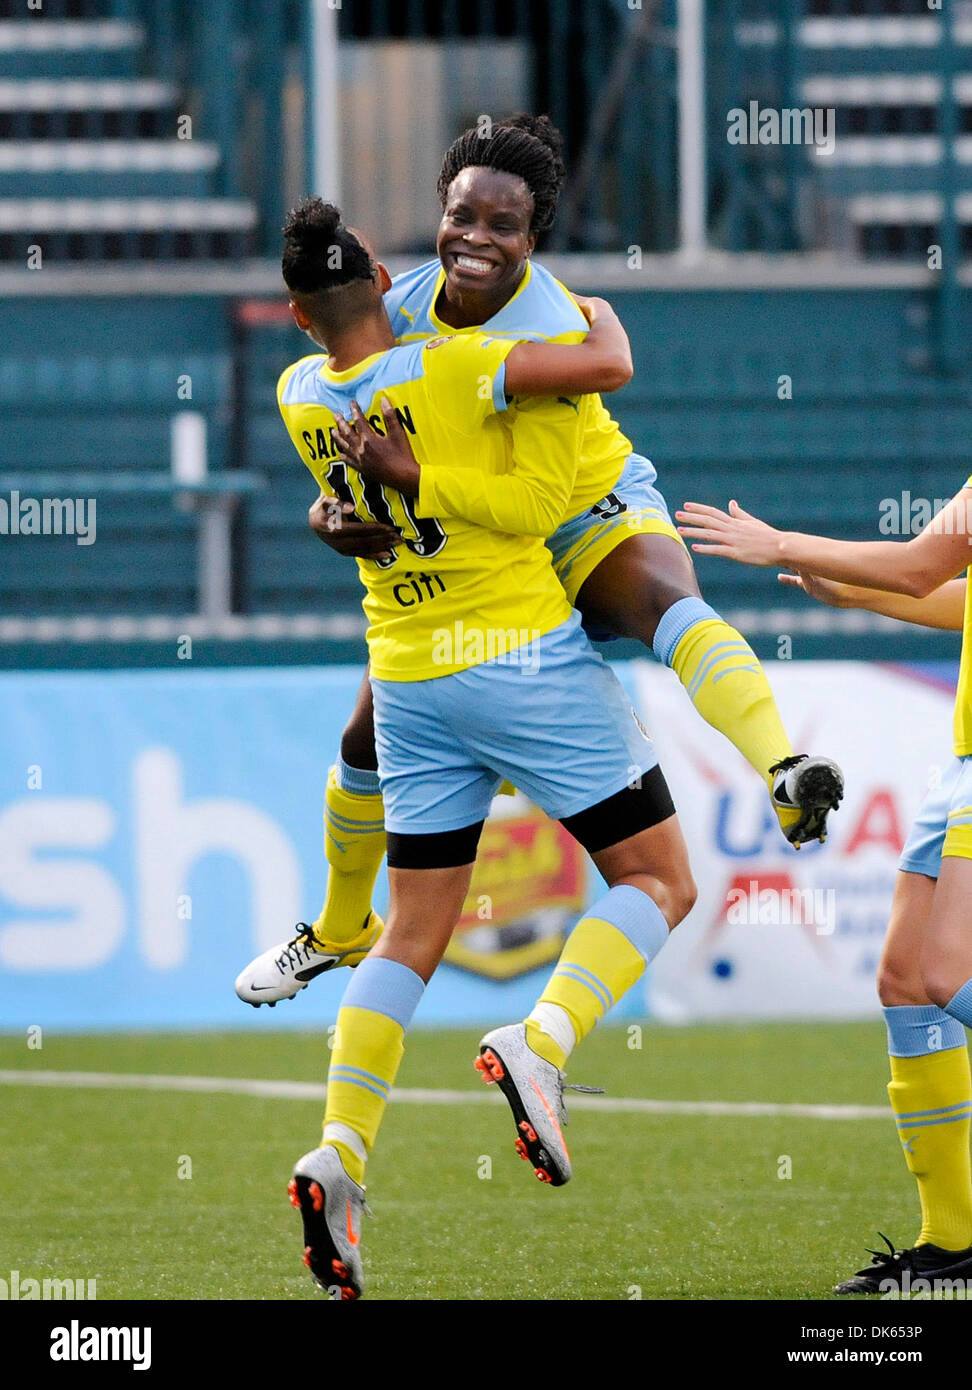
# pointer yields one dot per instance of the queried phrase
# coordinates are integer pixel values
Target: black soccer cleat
(898, 1269)
(813, 786)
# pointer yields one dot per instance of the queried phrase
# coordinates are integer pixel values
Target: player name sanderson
(77, 1343)
(49, 516)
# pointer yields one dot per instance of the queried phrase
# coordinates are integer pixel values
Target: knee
(656, 597)
(942, 976)
(683, 895)
(358, 742)
(899, 983)
(938, 984)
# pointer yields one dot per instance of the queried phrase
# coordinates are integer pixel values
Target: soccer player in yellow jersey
(925, 977)
(616, 550)
(480, 671)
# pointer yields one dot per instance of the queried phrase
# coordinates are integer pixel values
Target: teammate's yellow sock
(603, 957)
(369, 1042)
(931, 1097)
(726, 684)
(354, 844)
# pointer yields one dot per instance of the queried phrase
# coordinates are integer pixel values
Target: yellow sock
(603, 957)
(354, 844)
(931, 1097)
(368, 1049)
(728, 687)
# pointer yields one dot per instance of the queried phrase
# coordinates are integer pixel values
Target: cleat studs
(316, 1195)
(542, 1175)
(521, 1149)
(340, 1269)
(493, 1064)
(529, 1131)
(307, 1256)
(292, 1193)
(271, 1003)
(483, 1070)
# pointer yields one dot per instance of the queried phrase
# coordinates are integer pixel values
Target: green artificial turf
(661, 1206)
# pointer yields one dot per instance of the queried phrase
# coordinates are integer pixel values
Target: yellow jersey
(454, 594)
(962, 719)
(541, 309)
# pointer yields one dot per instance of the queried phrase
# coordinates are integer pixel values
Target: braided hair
(528, 146)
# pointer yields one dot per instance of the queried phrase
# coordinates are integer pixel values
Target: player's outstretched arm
(945, 608)
(602, 362)
(916, 567)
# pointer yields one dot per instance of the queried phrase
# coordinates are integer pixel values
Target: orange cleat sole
(489, 1066)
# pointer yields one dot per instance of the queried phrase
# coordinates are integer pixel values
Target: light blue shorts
(635, 507)
(944, 823)
(558, 725)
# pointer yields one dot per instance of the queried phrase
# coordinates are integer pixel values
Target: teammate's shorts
(943, 827)
(635, 507)
(554, 720)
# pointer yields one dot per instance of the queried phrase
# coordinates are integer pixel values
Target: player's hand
(593, 307)
(735, 534)
(336, 524)
(824, 590)
(378, 458)
(586, 305)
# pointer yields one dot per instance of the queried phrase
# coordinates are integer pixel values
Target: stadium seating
(94, 163)
(91, 168)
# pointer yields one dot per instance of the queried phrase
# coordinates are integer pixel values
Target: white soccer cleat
(331, 1205)
(289, 967)
(534, 1088)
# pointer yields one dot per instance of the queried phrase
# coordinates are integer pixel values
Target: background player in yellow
(528, 697)
(925, 977)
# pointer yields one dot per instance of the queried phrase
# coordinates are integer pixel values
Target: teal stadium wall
(91, 384)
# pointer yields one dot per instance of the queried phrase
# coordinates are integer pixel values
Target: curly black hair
(319, 252)
(529, 146)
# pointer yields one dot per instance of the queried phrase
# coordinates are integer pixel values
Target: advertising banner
(157, 829)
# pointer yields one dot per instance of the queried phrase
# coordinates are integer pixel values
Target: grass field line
(316, 1091)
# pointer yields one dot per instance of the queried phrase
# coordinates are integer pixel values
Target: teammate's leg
(354, 845)
(354, 828)
(379, 1001)
(369, 1042)
(931, 1088)
(646, 588)
(650, 890)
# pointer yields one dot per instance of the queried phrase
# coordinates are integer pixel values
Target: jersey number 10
(429, 537)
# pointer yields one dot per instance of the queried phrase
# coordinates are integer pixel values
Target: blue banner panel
(158, 829)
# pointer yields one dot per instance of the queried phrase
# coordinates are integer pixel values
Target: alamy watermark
(471, 646)
(17, 1289)
(906, 1286)
(791, 125)
(49, 516)
(753, 906)
(908, 516)
(77, 1343)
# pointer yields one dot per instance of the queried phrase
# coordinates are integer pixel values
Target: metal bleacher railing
(181, 130)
